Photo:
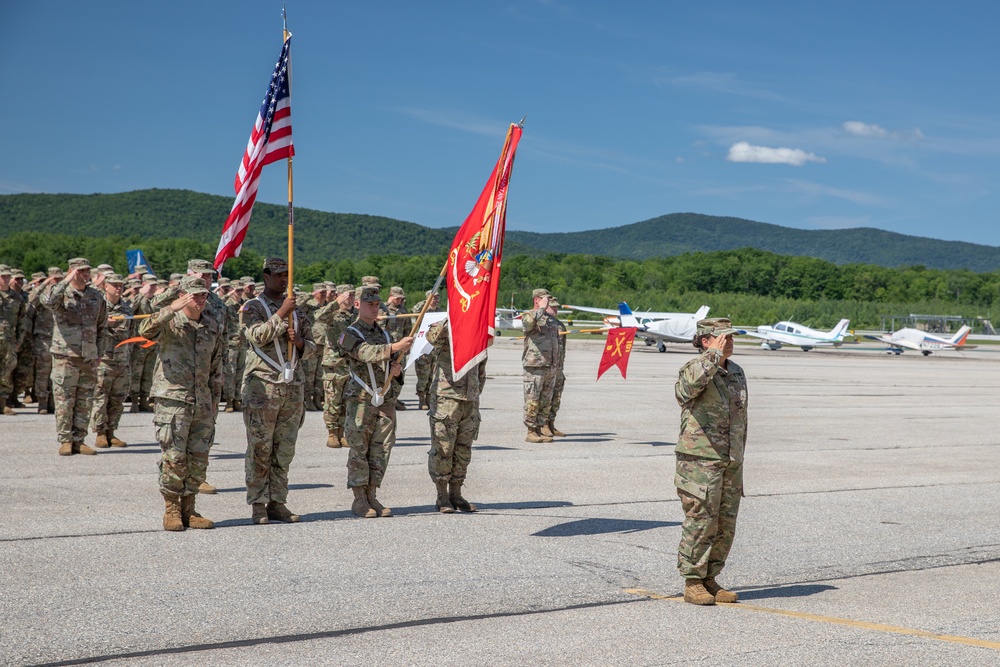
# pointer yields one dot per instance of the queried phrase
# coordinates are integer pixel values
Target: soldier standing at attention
(370, 424)
(541, 349)
(398, 328)
(113, 370)
(425, 362)
(79, 338)
(24, 372)
(273, 408)
(236, 354)
(309, 304)
(335, 317)
(712, 393)
(550, 429)
(12, 324)
(186, 383)
(454, 423)
(143, 360)
(41, 344)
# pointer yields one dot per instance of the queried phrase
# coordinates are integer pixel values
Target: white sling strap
(287, 370)
(377, 398)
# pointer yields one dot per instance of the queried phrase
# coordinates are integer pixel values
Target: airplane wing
(898, 342)
(599, 311)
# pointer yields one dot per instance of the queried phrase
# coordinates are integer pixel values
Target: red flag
(474, 266)
(616, 350)
(270, 141)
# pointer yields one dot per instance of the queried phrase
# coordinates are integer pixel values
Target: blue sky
(809, 115)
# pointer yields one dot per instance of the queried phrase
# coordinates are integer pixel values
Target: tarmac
(868, 534)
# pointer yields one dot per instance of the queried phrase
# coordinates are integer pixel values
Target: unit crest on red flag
(616, 350)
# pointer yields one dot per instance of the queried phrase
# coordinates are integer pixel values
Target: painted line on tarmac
(863, 625)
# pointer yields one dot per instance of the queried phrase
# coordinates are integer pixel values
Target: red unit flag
(616, 350)
(473, 269)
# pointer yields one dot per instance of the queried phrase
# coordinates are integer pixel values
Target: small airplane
(792, 333)
(507, 319)
(654, 327)
(925, 343)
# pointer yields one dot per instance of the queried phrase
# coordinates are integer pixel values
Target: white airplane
(655, 328)
(792, 333)
(925, 343)
(507, 319)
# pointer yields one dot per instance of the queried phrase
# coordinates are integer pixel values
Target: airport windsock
(616, 350)
(473, 268)
(270, 140)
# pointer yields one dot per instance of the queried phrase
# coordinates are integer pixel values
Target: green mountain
(321, 236)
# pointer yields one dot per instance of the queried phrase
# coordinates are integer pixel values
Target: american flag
(271, 140)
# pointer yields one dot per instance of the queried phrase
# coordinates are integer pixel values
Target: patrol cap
(540, 293)
(258, 287)
(115, 279)
(396, 290)
(553, 301)
(16, 273)
(105, 268)
(369, 280)
(275, 265)
(149, 278)
(133, 282)
(236, 283)
(246, 280)
(79, 263)
(715, 326)
(176, 277)
(193, 285)
(141, 269)
(319, 287)
(431, 293)
(162, 283)
(330, 286)
(368, 293)
(200, 266)
(55, 271)
(38, 275)
(346, 287)
(223, 282)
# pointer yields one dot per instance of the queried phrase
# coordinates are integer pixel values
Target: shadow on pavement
(527, 505)
(656, 443)
(227, 456)
(601, 527)
(493, 448)
(291, 487)
(794, 591)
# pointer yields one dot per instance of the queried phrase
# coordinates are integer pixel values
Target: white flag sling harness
(286, 368)
(377, 398)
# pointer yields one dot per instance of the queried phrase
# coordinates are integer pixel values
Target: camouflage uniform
(12, 333)
(113, 371)
(41, 348)
(398, 329)
(142, 360)
(308, 305)
(539, 358)
(186, 383)
(236, 352)
(334, 363)
(24, 373)
(273, 410)
(79, 338)
(560, 365)
(317, 390)
(424, 365)
(709, 475)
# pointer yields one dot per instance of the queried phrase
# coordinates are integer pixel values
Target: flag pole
(291, 210)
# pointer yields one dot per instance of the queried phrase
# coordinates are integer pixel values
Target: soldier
(425, 363)
(309, 305)
(12, 323)
(370, 423)
(541, 348)
(142, 360)
(113, 371)
(236, 353)
(79, 339)
(24, 370)
(41, 346)
(712, 392)
(249, 288)
(273, 409)
(370, 281)
(549, 429)
(398, 328)
(186, 385)
(336, 317)
(454, 423)
(319, 337)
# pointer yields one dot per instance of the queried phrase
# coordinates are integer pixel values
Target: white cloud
(746, 152)
(860, 129)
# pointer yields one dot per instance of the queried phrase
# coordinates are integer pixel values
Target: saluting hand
(181, 302)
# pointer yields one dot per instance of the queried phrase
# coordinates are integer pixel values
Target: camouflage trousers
(73, 383)
(424, 365)
(24, 374)
(232, 384)
(141, 365)
(538, 386)
(371, 433)
(185, 432)
(333, 405)
(315, 383)
(109, 398)
(8, 362)
(710, 493)
(454, 427)
(273, 412)
(557, 391)
(43, 368)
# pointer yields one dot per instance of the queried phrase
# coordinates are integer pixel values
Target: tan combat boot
(81, 448)
(340, 436)
(66, 449)
(172, 515)
(443, 502)
(720, 593)
(259, 513)
(370, 492)
(546, 432)
(278, 512)
(360, 506)
(455, 495)
(207, 488)
(230, 407)
(695, 593)
(556, 432)
(332, 441)
(7, 410)
(192, 519)
(102, 441)
(423, 402)
(533, 436)
(116, 442)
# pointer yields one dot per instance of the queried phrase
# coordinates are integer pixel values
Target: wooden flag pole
(291, 210)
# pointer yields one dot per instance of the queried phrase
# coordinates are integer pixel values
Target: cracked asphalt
(869, 533)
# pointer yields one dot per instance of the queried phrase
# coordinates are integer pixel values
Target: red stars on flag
(616, 350)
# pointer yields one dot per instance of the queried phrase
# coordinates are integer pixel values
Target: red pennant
(137, 339)
(616, 350)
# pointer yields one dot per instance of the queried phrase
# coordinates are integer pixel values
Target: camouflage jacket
(189, 365)
(541, 339)
(234, 336)
(366, 347)
(335, 321)
(561, 356)
(118, 330)
(470, 385)
(398, 328)
(215, 308)
(42, 324)
(12, 320)
(267, 334)
(319, 328)
(713, 404)
(141, 305)
(80, 320)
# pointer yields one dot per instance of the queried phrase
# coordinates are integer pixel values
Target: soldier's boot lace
(190, 518)
(207, 488)
(116, 442)
(695, 593)
(373, 502)
(258, 513)
(720, 593)
(554, 431)
(172, 514)
(545, 438)
(360, 506)
(455, 495)
(443, 503)
(278, 512)
(102, 441)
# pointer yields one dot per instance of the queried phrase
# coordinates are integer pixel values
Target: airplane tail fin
(840, 329)
(958, 339)
(701, 313)
(626, 316)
